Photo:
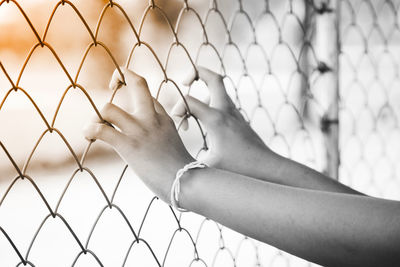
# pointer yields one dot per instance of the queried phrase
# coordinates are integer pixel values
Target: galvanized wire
(275, 76)
(369, 92)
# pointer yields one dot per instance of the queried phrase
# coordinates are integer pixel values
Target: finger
(117, 116)
(197, 108)
(190, 78)
(100, 119)
(218, 95)
(142, 99)
(117, 80)
(180, 115)
(181, 122)
(159, 108)
(105, 133)
(96, 117)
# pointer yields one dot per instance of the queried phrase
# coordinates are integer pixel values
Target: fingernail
(88, 131)
(190, 77)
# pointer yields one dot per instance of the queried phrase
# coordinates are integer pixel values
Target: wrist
(268, 166)
(160, 179)
(176, 185)
(189, 184)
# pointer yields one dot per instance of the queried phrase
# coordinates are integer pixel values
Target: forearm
(274, 168)
(295, 174)
(329, 228)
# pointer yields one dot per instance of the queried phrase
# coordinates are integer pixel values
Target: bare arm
(331, 229)
(237, 148)
(292, 173)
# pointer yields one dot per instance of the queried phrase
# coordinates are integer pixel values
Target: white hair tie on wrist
(176, 185)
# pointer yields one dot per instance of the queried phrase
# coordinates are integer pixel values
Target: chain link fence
(294, 69)
(370, 96)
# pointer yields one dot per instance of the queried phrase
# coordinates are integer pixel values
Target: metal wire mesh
(369, 91)
(272, 68)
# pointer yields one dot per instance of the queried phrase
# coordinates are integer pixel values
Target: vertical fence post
(328, 49)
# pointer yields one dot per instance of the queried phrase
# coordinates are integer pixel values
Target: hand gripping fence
(295, 69)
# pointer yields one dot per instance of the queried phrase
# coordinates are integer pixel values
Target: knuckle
(115, 79)
(216, 78)
(116, 72)
(107, 108)
(135, 79)
(108, 111)
(140, 81)
(100, 129)
(90, 131)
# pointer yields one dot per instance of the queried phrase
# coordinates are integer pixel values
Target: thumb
(196, 108)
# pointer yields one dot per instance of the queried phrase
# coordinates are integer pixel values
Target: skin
(226, 126)
(247, 187)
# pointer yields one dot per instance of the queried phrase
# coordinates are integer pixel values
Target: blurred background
(288, 65)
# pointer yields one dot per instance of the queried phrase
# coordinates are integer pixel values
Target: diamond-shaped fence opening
(369, 92)
(295, 69)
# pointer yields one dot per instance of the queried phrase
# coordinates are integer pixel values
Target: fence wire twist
(272, 70)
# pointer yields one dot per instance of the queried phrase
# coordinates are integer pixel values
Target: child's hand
(234, 145)
(147, 139)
